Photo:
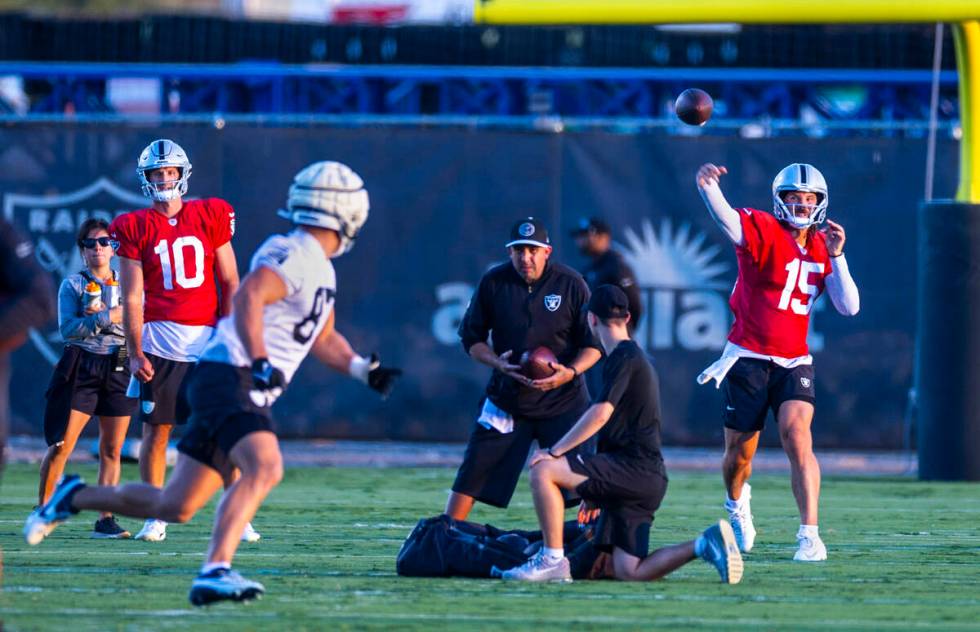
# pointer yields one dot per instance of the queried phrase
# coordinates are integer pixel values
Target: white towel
(718, 370)
(492, 418)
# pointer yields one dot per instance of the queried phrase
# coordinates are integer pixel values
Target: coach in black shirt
(626, 479)
(520, 305)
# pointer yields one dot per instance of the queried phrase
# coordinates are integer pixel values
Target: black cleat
(223, 584)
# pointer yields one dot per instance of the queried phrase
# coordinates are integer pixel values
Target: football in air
(537, 364)
(694, 106)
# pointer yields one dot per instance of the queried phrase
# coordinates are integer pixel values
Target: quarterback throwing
(784, 264)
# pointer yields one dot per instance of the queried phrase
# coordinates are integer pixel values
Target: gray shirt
(92, 332)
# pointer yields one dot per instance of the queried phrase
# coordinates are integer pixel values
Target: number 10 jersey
(177, 255)
(778, 282)
(290, 326)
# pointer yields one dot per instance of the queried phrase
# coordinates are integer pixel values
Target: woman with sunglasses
(92, 375)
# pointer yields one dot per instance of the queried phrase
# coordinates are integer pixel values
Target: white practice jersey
(290, 326)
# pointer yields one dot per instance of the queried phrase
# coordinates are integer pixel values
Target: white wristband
(359, 368)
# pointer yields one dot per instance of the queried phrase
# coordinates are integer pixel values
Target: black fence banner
(442, 201)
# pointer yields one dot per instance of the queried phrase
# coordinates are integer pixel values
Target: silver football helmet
(163, 153)
(799, 177)
(331, 195)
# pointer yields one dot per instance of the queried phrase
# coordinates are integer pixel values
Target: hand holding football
(694, 106)
(536, 364)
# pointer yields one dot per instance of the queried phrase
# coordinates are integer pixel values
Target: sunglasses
(90, 242)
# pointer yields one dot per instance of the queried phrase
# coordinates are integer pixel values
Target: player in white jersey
(282, 311)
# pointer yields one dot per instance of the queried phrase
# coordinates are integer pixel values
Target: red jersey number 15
(797, 274)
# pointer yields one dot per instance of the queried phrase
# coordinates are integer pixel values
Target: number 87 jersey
(289, 326)
(778, 282)
(177, 255)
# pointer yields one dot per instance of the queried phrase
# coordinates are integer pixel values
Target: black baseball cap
(608, 301)
(529, 231)
(594, 225)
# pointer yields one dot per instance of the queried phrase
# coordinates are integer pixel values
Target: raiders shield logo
(51, 222)
(552, 302)
(805, 382)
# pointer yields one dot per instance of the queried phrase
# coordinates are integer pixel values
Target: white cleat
(541, 569)
(250, 534)
(811, 549)
(153, 531)
(740, 518)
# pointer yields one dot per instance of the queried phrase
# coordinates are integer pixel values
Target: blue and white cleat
(48, 516)
(721, 551)
(223, 584)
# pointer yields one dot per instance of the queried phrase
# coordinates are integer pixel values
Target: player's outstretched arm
(707, 178)
(591, 422)
(333, 349)
(840, 285)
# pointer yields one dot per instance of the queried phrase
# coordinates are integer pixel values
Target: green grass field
(904, 555)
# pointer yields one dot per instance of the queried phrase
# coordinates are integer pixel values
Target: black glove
(266, 377)
(380, 378)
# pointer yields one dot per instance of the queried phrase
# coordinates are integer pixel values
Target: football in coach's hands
(536, 364)
(694, 106)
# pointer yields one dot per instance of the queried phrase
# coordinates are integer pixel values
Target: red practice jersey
(177, 255)
(778, 282)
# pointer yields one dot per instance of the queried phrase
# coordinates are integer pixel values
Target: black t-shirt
(611, 268)
(518, 317)
(630, 384)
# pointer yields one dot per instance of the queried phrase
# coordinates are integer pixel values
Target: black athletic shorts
(753, 387)
(628, 490)
(493, 461)
(88, 382)
(221, 413)
(169, 377)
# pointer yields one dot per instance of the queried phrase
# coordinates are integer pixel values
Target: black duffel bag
(444, 547)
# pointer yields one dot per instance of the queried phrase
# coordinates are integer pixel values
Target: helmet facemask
(157, 155)
(805, 179)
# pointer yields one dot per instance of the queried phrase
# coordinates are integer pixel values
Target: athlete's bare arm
(332, 348)
(131, 279)
(261, 287)
(227, 276)
(591, 422)
(708, 177)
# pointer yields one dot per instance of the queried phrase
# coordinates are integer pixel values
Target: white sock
(555, 554)
(809, 531)
(207, 568)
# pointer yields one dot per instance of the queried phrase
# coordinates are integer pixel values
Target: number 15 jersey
(177, 255)
(290, 326)
(778, 282)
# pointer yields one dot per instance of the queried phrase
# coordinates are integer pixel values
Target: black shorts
(169, 378)
(221, 413)
(753, 387)
(88, 382)
(628, 490)
(493, 461)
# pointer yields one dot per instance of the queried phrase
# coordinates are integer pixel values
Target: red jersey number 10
(176, 271)
(797, 273)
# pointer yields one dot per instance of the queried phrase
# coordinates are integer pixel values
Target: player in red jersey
(784, 264)
(174, 258)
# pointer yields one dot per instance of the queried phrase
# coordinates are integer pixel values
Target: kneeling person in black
(626, 479)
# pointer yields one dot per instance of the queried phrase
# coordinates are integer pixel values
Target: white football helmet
(331, 195)
(163, 153)
(800, 177)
